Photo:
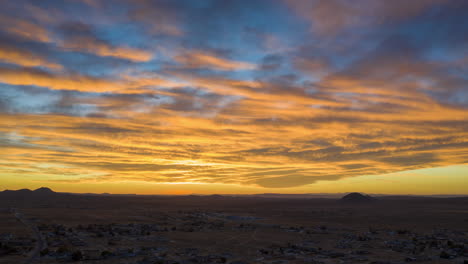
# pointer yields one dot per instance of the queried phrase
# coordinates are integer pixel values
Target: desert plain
(46, 227)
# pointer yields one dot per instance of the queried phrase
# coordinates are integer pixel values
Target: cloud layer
(275, 94)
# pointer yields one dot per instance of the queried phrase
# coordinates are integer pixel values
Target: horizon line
(252, 194)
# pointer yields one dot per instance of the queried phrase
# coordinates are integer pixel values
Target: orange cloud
(25, 29)
(25, 58)
(100, 48)
(82, 83)
(56, 82)
(244, 144)
(90, 44)
(197, 59)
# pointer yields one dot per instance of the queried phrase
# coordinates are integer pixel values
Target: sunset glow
(260, 96)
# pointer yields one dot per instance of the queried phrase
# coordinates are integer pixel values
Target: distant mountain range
(26, 192)
(353, 196)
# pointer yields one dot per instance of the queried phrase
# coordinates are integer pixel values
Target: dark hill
(357, 198)
(43, 190)
(24, 193)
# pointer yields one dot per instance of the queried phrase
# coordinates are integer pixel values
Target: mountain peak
(357, 197)
(44, 190)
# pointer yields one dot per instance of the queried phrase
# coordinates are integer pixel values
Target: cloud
(157, 91)
(24, 29)
(27, 76)
(78, 82)
(162, 17)
(331, 17)
(25, 58)
(291, 181)
(312, 66)
(80, 37)
(197, 59)
(408, 160)
(94, 46)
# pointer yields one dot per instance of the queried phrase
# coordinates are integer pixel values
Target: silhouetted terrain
(42, 226)
(357, 198)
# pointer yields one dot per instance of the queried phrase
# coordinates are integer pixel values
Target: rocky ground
(232, 231)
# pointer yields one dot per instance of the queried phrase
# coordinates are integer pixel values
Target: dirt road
(40, 241)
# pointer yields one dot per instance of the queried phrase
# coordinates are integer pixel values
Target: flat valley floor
(62, 228)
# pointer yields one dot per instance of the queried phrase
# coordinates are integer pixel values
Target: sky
(258, 96)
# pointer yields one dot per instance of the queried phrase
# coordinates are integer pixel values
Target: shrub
(77, 255)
